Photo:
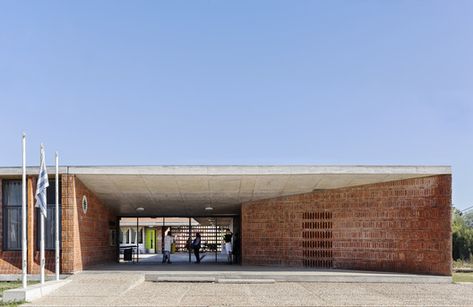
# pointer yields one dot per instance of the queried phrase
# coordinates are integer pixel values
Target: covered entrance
(310, 217)
(142, 239)
(378, 218)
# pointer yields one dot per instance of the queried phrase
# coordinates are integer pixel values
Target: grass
(462, 277)
(14, 304)
(6, 285)
(462, 264)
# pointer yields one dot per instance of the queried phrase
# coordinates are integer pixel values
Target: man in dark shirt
(236, 248)
(196, 244)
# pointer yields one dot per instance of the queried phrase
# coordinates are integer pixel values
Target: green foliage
(462, 236)
(459, 263)
(12, 304)
(468, 217)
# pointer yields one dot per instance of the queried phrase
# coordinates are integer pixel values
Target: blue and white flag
(42, 185)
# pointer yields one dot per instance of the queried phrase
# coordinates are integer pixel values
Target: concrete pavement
(130, 289)
(214, 272)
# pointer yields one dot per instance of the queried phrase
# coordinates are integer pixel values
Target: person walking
(168, 240)
(236, 248)
(227, 238)
(196, 244)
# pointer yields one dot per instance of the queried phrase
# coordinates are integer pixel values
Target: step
(206, 279)
(294, 277)
(33, 292)
(245, 281)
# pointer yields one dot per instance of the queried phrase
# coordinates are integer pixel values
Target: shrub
(462, 237)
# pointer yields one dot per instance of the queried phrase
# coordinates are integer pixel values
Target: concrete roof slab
(187, 190)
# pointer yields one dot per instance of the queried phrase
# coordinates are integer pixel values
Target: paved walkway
(130, 289)
(186, 272)
(180, 258)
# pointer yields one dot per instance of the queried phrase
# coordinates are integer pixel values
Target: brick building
(380, 218)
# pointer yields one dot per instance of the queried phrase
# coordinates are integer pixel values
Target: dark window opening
(140, 236)
(11, 198)
(50, 220)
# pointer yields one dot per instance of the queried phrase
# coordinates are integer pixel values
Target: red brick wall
(10, 261)
(85, 237)
(399, 226)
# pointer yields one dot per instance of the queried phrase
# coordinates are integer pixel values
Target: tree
(468, 217)
(462, 236)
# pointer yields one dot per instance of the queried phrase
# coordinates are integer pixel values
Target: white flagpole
(24, 245)
(57, 216)
(41, 240)
(41, 251)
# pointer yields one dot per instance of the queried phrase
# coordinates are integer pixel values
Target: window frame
(5, 209)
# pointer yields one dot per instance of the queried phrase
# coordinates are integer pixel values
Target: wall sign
(85, 204)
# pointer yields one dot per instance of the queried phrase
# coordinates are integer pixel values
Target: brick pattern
(10, 261)
(317, 239)
(33, 266)
(399, 226)
(85, 236)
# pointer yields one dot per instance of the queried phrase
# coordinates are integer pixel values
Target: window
(50, 221)
(11, 195)
(127, 236)
(133, 236)
(112, 237)
(140, 236)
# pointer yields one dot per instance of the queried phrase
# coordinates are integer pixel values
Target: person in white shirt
(168, 240)
(227, 238)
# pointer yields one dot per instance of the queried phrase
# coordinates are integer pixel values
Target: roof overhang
(188, 190)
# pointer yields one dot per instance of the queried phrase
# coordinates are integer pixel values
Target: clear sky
(240, 82)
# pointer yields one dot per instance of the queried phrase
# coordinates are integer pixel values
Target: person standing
(196, 244)
(168, 240)
(236, 248)
(227, 238)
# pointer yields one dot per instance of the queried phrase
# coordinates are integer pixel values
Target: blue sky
(242, 82)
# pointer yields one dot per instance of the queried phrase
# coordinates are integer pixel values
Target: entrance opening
(163, 240)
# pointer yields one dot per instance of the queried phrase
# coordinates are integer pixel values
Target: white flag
(42, 185)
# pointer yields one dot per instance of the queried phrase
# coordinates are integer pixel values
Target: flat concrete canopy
(188, 190)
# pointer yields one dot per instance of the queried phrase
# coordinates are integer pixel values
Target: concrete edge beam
(31, 277)
(226, 277)
(245, 281)
(180, 278)
(367, 279)
(227, 170)
(33, 292)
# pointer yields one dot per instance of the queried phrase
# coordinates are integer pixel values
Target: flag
(42, 185)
